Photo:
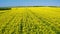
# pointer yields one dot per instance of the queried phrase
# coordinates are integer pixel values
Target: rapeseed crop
(30, 20)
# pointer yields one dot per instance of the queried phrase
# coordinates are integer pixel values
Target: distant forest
(9, 8)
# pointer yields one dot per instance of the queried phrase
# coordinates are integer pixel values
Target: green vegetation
(5, 8)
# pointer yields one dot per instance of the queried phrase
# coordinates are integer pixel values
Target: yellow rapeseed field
(30, 20)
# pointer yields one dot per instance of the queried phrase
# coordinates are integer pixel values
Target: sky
(5, 3)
